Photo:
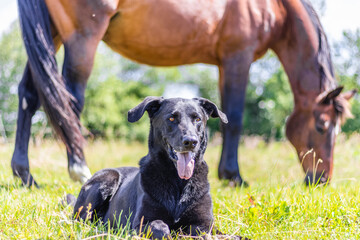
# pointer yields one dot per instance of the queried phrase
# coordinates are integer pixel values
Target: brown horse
(228, 33)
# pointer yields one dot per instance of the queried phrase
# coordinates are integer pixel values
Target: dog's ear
(150, 104)
(211, 109)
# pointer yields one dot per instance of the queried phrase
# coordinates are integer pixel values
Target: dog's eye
(171, 119)
(197, 119)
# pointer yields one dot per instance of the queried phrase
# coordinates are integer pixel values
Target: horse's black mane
(327, 76)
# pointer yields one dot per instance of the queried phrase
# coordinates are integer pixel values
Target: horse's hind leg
(76, 70)
(234, 72)
(80, 50)
(81, 25)
(28, 104)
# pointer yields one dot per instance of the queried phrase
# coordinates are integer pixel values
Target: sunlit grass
(276, 205)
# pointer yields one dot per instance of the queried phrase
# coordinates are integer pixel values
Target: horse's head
(312, 131)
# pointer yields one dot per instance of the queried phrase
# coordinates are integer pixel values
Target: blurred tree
(106, 107)
(267, 106)
(347, 57)
(347, 60)
(12, 63)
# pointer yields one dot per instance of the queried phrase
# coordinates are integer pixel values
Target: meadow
(276, 205)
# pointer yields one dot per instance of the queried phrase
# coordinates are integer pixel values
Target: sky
(8, 13)
(339, 15)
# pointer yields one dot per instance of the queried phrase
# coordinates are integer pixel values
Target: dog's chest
(176, 207)
(174, 195)
(178, 202)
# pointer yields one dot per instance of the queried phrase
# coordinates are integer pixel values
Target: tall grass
(276, 205)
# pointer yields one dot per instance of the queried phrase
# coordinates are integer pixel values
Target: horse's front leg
(28, 104)
(234, 72)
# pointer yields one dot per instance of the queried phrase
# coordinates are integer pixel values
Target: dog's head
(178, 128)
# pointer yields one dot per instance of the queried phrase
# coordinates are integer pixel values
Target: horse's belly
(167, 32)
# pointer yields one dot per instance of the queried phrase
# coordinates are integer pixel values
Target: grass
(276, 205)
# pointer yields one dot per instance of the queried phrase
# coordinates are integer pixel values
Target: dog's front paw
(159, 230)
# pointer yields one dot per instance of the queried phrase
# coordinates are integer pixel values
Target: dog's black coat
(155, 195)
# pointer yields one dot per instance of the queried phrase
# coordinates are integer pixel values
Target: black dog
(170, 191)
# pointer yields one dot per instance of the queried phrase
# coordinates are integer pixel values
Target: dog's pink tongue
(185, 165)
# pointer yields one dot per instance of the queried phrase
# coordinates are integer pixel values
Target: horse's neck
(297, 50)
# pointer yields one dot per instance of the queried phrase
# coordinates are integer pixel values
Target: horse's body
(228, 33)
(168, 40)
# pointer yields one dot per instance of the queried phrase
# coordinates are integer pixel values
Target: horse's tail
(55, 98)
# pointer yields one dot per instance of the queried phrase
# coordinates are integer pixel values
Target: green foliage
(353, 124)
(266, 112)
(206, 79)
(12, 63)
(106, 107)
(347, 58)
(13, 59)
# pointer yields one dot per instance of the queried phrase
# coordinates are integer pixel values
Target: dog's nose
(190, 142)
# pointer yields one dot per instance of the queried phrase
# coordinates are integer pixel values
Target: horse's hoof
(234, 178)
(79, 173)
(20, 169)
(26, 179)
(238, 183)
